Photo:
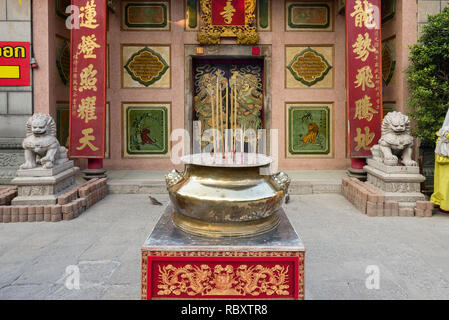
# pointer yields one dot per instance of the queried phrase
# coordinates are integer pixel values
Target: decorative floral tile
(146, 129)
(146, 66)
(146, 15)
(309, 67)
(388, 61)
(309, 16)
(309, 129)
(63, 60)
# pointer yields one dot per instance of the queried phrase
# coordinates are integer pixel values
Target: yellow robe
(440, 197)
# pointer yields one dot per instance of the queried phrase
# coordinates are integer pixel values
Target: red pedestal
(94, 169)
(95, 164)
(358, 163)
(177, 265)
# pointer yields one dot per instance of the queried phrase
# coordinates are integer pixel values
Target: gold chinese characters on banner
(88, 81)
(364, 83)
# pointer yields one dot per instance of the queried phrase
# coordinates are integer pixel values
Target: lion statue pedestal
(392, 170)
(47, 171)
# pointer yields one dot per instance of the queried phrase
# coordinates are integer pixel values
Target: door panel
(243, 77)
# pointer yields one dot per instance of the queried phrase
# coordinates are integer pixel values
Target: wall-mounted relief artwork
(146, 129)
(112, 5)
(388, 9)
(308, 67)
(146, 66)
(309, 16)
(263, 12)
(61, 6)
(388, 107)
(62, 46)
(146, 15)
(341, 6)
(192, 15)
(63, 122)
(309, 129)
(388, 61)
(107, 153)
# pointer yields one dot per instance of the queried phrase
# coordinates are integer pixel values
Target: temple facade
(286, 69)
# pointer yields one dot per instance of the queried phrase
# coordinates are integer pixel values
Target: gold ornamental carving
(203, 280)
(212, 34)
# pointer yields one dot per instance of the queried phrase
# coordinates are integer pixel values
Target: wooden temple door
(228, 94)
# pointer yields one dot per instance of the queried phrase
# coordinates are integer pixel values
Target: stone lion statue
(41, 146)
(396, 142)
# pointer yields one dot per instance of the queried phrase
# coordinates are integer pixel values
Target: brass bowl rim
(206, 160)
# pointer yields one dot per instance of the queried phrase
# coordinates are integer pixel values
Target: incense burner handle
(282, 180)
(173, 178)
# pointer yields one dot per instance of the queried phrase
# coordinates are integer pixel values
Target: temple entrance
(228, 94)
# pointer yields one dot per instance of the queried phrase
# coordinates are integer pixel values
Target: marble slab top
(41, 172)
(167, 237)
(392, 169)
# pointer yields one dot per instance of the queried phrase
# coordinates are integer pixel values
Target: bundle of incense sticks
(226, 142)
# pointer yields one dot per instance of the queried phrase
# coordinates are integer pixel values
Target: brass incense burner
(218, 199)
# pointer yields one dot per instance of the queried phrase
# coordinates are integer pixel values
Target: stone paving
(412, 254)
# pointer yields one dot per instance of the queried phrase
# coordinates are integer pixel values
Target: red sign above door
(228, 12)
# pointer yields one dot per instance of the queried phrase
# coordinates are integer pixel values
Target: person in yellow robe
(440, 197)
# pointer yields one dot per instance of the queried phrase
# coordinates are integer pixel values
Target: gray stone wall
(15, 102)
(426, 8)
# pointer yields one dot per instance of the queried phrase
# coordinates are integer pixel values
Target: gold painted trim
(199, 253)
(224, 280)
(144, 275)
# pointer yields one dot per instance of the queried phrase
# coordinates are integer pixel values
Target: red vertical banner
(364, 75)
(88, 79)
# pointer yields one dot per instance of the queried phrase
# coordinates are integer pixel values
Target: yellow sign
(9, 72)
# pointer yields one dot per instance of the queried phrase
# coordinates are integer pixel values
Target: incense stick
(221, 119)
(227, 115)
(213, 120)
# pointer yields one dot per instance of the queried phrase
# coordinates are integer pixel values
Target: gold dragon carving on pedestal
(223, 281)
(212, 34)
